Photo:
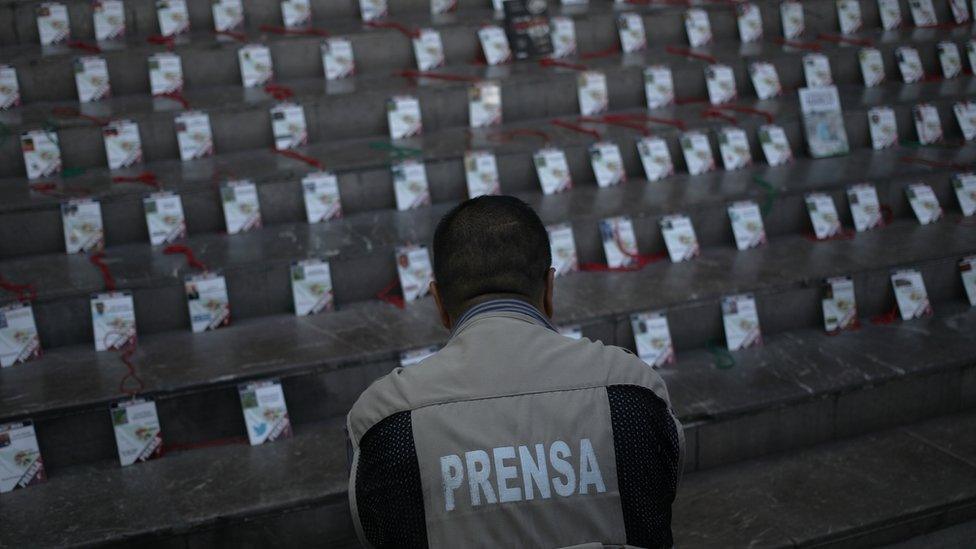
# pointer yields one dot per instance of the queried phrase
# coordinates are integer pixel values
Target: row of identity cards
(138, 433)
(114, 315)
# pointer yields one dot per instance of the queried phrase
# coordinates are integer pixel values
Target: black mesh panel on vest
(645, 441)
(389, 496)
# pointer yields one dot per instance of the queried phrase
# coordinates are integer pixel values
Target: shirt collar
(503, 306)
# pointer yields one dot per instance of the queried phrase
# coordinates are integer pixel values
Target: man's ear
(445, 318)
(547, 298)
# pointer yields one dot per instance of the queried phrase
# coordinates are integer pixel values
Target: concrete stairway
(803, 388)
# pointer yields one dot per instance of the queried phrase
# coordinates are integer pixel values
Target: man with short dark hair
(512, 435)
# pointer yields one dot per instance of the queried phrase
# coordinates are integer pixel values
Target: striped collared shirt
(503, 305)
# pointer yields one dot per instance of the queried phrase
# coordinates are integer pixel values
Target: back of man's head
(490, 245)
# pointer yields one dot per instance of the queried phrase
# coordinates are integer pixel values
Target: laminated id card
(91, 79)
(949, 59)
(428, 50)
(416, 356)
(909, 64)
(910, 294)
(113, 320)
(608, 166)
(872, 66)
(720, 81)
(82, 218)
(19, 341)
(311, 287)
(747, 225)
(849, 16)
(883, 127)
(928, 126)
(42, 155)
(791, 16)
(296, 13)
(679, 237)
(592, 90)
(553, 170)
(749, 21)
(410, 185)
(965, 186)
(438, 7)
(652, 338)
(655, 158)
(337, 58)
(967, 269)
(165, 73)
(839, 306)
(228, 15)
(123, 146)
(697, 152)
(734, 148)
(865, 207)
(108, 18)
(658, 86)
(173, 17)
(823, 215)
(138, 435)
(265, 411)
(485, 104)
(256, 66)
(321, 193)
(890, 12)
(923, 13)
(9, 88)
(52, 23)
(20, 456)
(924, 203)
(960, 11)
(564, 259)
(414, 271)
(494, 45)
(164, 218)
(288, 126)
(816, 70)
(740, 318)
(631, 29)
(619, 241)
(371, 10)
(207, 301)
(563, 36)
(481, 173)
(823, 122)
(193, 135)
(698, 27)
(242, 211)
(403, 116)
(765, 79)
(775, 145)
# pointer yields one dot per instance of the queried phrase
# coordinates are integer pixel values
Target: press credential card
(816, 70)
(123, 147)
(193, 135)
(481, 173)
(652, 338)
(553, 170)
(749, 21)
(494, 45)
(438, 7)
(42, 156)
(403, 115)
(265, 412)
(949, 59)
(765, 79)
(19, 341)
(82, 219)
(890, 12)
(416, 356)
(564, 259)
(173, 17)
(960, 11)
(775, 145)
(207, 301)
(791, 16)
(372, 10)
(619, 241)
(747, 225)
(228, 15)
(967, 269)
(20, 457)
(872, 66)
(428, 50)
(165, 73)
(322, 201)
(608, 166)
(52, 23)
(698, 28)
(909, 64)
(563, 35)
(414, 270)
(256, 67)
(137, 432)
(655, 158)
(849, 16)
(311, 287)
(242, 211)
(839, 306)
(108, 17)
(679, 237)
(734, 147)
(288, 126)
(865, 207)
(296, 13)
(658, 86)
(9, 88)
(410, 185)
(91, 79)
(823, 215)
(910, 294)
(928, 126)
(720, 81)
(337, 58)
(823, 121)
(965, 187)
(883, 127)
(113, 320)
(697, 153)
(924, 203)
(923, 13)
(631, 29)
(592, 90)
(741, 321)
(485, 104)
(164, 218)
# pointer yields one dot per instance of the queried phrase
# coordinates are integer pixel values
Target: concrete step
(910, 480)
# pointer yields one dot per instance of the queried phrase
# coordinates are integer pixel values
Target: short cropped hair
(490, 245)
